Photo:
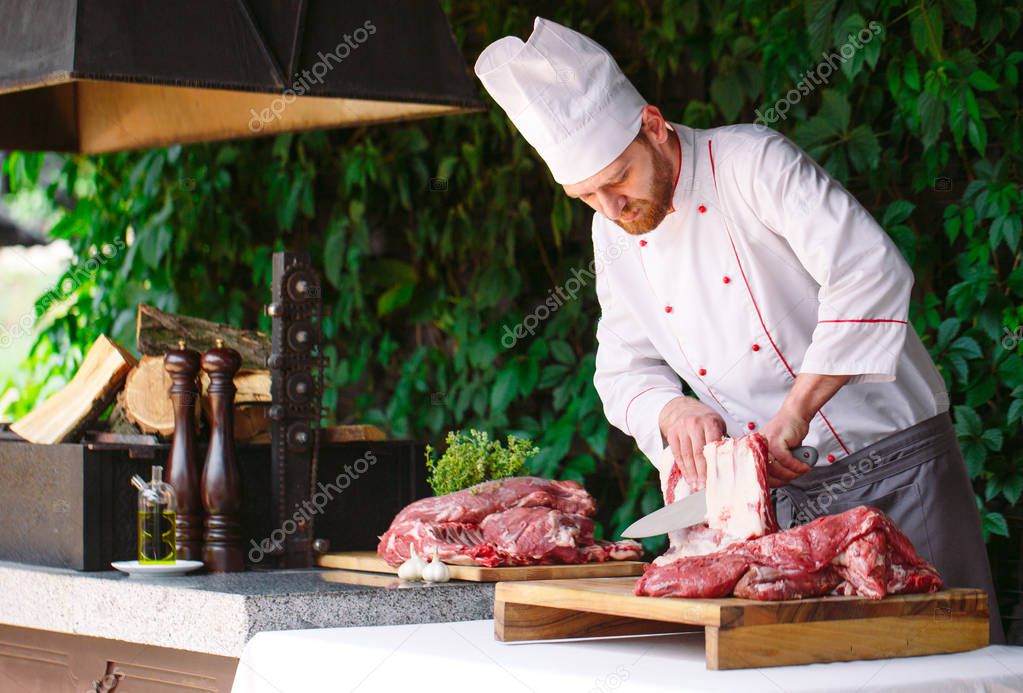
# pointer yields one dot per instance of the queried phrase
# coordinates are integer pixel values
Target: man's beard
(655, 206)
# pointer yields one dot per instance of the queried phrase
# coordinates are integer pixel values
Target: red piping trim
(704, 382)
(832, 429)
(710, 152)
(627, 426)
(901, 322)
(742, 271)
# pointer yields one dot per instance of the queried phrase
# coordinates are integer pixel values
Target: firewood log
(146, 397)
(157, 332)
(146, 402)
(65, 415)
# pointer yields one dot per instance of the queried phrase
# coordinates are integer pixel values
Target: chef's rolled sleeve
(633, 380)
(864, 281)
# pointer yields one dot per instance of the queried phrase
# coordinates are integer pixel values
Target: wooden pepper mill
(182, 470)
(221, 487)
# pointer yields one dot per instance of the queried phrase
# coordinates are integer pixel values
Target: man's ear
(654, 125)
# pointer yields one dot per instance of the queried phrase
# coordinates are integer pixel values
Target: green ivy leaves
(434, 237)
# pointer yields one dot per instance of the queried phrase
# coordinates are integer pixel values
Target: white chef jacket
(766, 268)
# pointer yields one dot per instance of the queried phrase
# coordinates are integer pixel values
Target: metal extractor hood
(104, 75)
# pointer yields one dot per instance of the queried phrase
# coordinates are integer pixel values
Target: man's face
(634, 191)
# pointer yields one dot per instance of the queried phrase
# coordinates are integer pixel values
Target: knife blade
(692, 510)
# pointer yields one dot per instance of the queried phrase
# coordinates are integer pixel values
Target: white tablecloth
(456, 657)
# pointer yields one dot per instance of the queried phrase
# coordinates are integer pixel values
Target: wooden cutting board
(370, 561)
(742, 633)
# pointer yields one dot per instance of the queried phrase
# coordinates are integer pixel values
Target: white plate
(162, 570)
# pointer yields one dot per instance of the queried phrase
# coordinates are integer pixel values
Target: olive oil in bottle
(156, 513)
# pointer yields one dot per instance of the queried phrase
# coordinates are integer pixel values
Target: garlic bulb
(412, 569)
(436, 570)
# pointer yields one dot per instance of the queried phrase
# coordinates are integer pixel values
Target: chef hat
(566, 95)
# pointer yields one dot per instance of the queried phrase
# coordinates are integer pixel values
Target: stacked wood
(78, 404)
(145, 399)
(253, 386)
(140, 390)
(146, 403)
(157, 332)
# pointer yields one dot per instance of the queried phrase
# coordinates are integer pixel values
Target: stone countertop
(219, 613)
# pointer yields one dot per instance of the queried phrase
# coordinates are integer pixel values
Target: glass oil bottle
(157, 507)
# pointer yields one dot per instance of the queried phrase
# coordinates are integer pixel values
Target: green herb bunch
(472, 457)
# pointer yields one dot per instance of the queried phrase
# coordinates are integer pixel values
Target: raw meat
(536, 532)
(740, 551)
(738, 507)
(737, 499)
(859, 552)
(710, 575)
(516, 521)
(473, 504)
(767, 583)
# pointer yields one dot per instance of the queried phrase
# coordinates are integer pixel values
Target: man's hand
(689, 424)
(786, 430)
(790, 425)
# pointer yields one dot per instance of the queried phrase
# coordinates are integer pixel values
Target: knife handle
(807, 454)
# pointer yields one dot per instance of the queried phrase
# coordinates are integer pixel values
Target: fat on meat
(738, 506)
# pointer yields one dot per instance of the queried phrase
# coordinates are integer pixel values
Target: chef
(729, 259)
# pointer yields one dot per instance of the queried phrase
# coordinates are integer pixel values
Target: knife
(692, 510)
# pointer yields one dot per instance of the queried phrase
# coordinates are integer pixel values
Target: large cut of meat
(738, 507)
(518, 521)
(740, 551)
(859, 552)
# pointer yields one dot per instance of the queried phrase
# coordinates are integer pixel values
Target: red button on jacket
(667, 309)
(702, 209)
(642, 243)
(751, 425)
(756, 347)
(726, 279)
(703, 371)
(831, 458)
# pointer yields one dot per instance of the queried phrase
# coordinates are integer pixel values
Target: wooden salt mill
(221, 487)
(182, 471)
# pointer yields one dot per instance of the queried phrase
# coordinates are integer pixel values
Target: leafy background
(435, 236)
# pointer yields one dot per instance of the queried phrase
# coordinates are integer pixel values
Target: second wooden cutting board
(741, 633)
(370, 561)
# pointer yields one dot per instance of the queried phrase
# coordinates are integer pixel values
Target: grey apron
(917, 477)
